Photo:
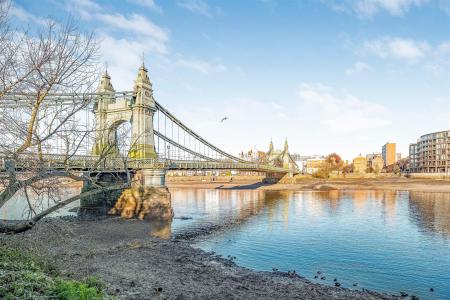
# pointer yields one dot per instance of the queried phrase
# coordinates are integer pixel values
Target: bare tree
(47, 79)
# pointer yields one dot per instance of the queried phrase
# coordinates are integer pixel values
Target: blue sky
(331, 76)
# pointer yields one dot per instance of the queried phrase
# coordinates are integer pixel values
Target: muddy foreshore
(135, 265)
(316, 184)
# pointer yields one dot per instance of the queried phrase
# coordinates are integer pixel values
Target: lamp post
(168, 152)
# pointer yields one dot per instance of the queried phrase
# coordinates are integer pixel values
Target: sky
(330, 76)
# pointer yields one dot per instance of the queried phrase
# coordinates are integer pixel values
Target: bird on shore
(223, 119)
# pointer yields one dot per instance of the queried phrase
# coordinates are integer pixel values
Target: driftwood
(12, 227)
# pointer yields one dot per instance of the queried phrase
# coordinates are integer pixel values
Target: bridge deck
(80, 162)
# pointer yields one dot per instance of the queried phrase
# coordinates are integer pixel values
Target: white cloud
(84, 8)
(24, 16)
(434, 59)
(316, 119)
(445, 6)
(369, 8)
(196, 6)
(123, 64)
(342, 112)
(148, 3)
(135, 23)
(201, 66)
(358, 67)
(400, 48)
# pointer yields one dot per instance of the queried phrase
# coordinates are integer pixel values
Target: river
(380, 240)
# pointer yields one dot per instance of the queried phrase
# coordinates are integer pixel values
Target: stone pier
(148, 197)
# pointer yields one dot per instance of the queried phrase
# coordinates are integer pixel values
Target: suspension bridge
(157, 140)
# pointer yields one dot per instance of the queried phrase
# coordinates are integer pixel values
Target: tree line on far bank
(334, 165)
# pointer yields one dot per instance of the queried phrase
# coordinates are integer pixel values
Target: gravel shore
(135, 265)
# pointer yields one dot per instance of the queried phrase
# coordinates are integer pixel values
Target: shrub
(23, 276)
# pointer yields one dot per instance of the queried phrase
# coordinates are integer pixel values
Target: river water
(380, 240)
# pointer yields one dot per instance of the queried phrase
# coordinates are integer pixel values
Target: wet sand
(134, 265)
(308, 184)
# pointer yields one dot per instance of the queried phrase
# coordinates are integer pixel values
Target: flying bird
(223, 119)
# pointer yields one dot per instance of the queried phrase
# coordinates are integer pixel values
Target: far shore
(316, 184)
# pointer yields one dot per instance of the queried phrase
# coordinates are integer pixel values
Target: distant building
(359, 165)
(254, 155)
(302, 160)
(314, 164)
(389, 154)
(398, 157)
(431, 153)
(377, 164)
(371, 157)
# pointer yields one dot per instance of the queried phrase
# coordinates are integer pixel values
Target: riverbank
(24, 276)
(135, 265)
(315, 184)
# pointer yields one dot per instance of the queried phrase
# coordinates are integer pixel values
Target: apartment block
(431, 153)
(389, 153)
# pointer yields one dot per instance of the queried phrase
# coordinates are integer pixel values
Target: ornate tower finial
(271, 146)
(286, 146)
(142, 80)
(105, 84)
(143, 61)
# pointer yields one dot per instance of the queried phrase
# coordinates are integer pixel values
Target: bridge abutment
(148, 197)
(150, 178)
(99, 204)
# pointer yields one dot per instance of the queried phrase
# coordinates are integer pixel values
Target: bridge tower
(143, 108)
(111, 112)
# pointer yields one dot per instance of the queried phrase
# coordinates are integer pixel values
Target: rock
(431, 290)
(414, 297)
(323, 278)
(337, 284)
(403, 294)
(335, 279)
(355, 284)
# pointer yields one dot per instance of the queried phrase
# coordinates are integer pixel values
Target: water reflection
(382, 240)
(160, 228)
(431, 212)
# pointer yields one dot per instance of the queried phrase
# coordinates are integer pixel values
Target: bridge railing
(83, 162)
(91, 162)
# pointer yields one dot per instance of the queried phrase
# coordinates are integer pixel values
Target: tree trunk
(12, 227)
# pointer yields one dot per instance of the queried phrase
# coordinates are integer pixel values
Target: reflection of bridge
(158, 140)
